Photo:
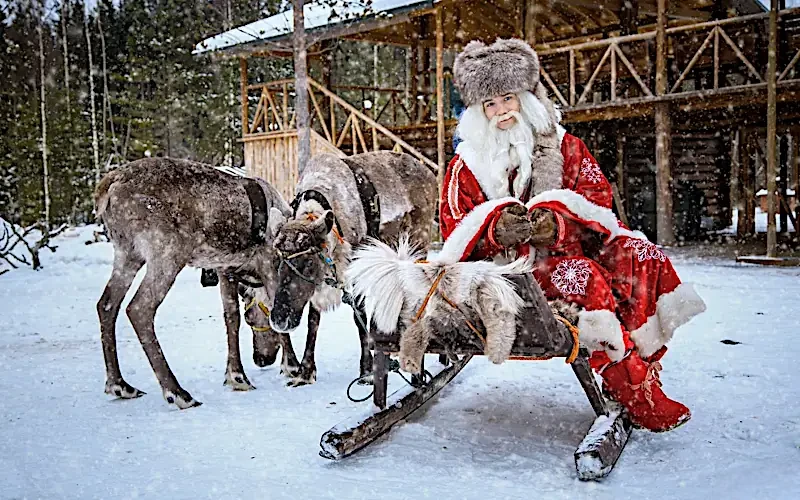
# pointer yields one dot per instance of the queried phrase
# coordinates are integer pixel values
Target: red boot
(635, 384)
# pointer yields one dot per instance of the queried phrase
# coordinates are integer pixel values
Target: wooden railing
(620, 69)
(339, 122)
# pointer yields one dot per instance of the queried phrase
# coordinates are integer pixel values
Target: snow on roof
(763, 192)
(316, 15)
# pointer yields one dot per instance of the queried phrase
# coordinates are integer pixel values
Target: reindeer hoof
(183, 400)
(123, 390)
(366, 379)
(307, 376)
(290, 371)
(238, 381)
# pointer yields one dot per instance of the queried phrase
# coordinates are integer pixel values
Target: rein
(332, 281)
(264, 309)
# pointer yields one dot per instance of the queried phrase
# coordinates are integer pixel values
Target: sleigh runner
(458, 330)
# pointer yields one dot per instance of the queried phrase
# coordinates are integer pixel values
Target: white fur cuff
(600, 330)
(673, 310)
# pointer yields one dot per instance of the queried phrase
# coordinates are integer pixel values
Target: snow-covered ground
(496, 432)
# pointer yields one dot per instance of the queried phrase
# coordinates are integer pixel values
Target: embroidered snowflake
(645, 250)
(591, 171)
(571, 276)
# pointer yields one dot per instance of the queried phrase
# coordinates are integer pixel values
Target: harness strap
(369, 198)
(258, 210)
(313, 194)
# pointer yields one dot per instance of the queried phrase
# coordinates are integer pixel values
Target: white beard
(492, 154)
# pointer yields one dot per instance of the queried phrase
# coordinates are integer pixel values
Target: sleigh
(540, 335)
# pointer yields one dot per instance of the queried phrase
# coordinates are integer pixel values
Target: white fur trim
(600, 330)
(492, 178)
(455, 246)
(673, 310)
(378, 273)
(586, 210)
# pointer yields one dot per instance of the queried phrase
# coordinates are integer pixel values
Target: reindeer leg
(125, 269)
(365, 364)
(234, 371)
(141, 311)
(290, 366)
(308, 367)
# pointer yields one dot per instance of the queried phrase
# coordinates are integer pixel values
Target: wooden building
(670, 96)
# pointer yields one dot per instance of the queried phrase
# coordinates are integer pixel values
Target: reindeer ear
(323, 226)
(329, 220)
(275, 221)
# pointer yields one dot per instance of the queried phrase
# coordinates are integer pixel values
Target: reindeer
(341, 202)
(170, 214)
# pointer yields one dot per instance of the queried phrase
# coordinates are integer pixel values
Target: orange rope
(430, 294)
(313, 217)
(466, 320)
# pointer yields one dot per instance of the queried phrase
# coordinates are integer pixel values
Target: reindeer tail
(102, 189)
(378, 275)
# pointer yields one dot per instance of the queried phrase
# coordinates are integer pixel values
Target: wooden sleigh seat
(540, 335)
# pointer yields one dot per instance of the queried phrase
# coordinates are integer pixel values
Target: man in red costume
(520, 185)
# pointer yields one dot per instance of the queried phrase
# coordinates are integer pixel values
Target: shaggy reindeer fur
(169, 214)
(393, 287)
(406, 193)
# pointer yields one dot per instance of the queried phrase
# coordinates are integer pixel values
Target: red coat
(623, 278)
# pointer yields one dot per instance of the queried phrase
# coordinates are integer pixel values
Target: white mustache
(499, 118)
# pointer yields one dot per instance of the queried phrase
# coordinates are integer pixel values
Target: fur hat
(484, 71)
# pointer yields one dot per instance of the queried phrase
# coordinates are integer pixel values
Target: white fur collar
(492, 178)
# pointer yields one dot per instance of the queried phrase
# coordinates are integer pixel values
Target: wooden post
(795, 177)
(664, 229)
(301, 87)
(529, 26)
(243, 81)
(440, 95)
(772, 63)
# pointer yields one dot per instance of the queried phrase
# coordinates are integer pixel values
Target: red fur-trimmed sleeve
(582, 173)
(466, 217)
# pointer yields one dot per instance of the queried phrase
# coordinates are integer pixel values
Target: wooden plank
(716, 58)
(572, 78)
(601, 448)
(614, 50)
(353, 434)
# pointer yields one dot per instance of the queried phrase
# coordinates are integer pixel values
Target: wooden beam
(440, 95)
(772, 66)
(530, 22)
(301, 88)
(664, 230)
(243, 82)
